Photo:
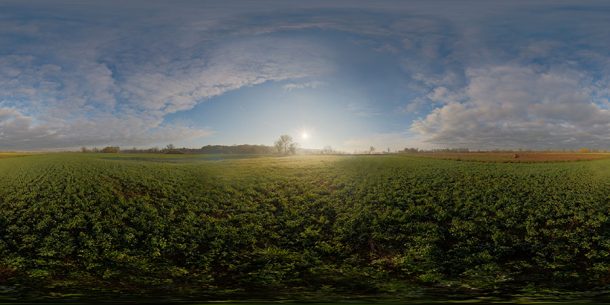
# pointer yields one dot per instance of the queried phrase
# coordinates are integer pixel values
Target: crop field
(244, 226)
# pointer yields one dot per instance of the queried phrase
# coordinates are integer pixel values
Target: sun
(304, 135)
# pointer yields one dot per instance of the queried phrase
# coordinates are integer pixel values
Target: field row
(367, 224)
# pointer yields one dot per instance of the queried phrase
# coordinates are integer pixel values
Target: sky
(348, 74)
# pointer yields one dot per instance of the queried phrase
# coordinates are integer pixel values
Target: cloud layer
(516, 106)
(66, 80)
(476, 73)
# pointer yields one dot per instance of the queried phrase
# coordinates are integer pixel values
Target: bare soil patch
(516, 156)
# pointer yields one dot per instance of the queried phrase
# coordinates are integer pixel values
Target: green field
(228, 226)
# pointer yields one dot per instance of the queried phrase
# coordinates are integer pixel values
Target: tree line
(171, 149)
(284, 145)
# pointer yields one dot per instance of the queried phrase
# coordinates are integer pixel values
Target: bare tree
(327, 150)
(285, 145)
(371, 150)
(292, 148)
(111, 149)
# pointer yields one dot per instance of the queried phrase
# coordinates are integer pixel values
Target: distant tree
(410, 150)
(236, 149)
(285, 145)
(175, 151)
(584, 150)
(110, 149)
(327, 150)
(292, 148)
(171, 149)
(84, 149)
(371, 150)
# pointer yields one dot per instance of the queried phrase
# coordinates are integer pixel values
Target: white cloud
(517, 106)
(178, 85)
(306, 85)
(95, 85)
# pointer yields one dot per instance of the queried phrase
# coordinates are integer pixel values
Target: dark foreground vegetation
(94, 225)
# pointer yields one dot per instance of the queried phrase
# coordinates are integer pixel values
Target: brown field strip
(516, 156)
(4, 155)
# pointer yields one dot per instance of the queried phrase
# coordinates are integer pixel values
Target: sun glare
(304, 135)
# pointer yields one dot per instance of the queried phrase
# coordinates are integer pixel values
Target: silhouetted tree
(285, 145)
(110, 149)
(327, 150)
(292, 148)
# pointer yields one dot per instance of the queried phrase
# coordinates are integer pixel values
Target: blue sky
(392, 74)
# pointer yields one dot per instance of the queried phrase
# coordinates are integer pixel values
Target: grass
(302, 227)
